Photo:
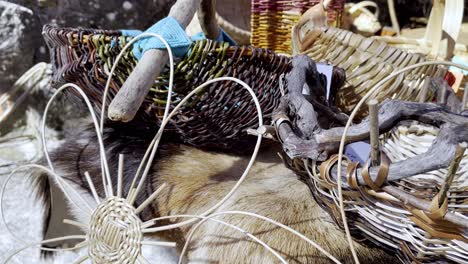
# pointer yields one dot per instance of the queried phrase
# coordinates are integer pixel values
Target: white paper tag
(326, 70)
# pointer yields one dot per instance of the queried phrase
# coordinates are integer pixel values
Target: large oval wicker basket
(366, 62)
(377, 215)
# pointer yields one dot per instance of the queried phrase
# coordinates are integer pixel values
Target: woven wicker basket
(386, 221)
(216, 118)
(271, 21)
(376, 215)
(366, 61)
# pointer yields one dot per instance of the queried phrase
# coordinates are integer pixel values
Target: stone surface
(21, 43)
(19, 33)
(104, 14)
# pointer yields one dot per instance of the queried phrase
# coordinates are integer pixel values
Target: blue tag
(173, 33)
(130, 32)
(358, 151)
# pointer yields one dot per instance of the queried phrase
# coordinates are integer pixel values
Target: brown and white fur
(198, 179)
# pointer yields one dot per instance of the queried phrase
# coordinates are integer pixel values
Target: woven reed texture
(366, 61)
(115, 232)
(217, 118)
(388, 222)
(271, 21)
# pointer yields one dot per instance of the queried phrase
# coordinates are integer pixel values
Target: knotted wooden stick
(374, 131)
(465, 98)
(128, 100)
(452, 170)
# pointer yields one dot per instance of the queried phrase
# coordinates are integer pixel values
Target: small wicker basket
(271, 21)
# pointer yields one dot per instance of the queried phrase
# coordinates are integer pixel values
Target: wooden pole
(128, 100)
(207, 17)
(452, 170)
(374, 131)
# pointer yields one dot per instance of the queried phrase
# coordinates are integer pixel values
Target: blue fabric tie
(223, 37)
(173, 33)
(170, 30)
(130, 32)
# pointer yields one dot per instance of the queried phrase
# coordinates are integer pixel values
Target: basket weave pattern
(271, 21)
(218, 117)
(367, 61)
(388, 222)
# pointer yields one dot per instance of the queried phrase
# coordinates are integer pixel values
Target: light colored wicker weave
(271, 21)
(366, 61)
(388, 222)
(376, 215)
(115, 232)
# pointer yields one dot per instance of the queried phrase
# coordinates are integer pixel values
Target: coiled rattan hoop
(115, 232)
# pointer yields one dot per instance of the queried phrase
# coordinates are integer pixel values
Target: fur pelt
(198, 179)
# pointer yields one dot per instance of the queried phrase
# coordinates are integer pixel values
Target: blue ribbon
(223, 37)
(169, 29)
(173, 33)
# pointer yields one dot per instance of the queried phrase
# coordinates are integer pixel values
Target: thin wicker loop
(381, 174)
(351, 175)
(325, 168)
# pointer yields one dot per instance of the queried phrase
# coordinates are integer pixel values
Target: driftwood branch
(413, 201)
(128, 100)
(207, 17)
(318, 143)
(438, 156)
(445, 95)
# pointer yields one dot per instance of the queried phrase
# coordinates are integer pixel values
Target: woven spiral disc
(115, 232)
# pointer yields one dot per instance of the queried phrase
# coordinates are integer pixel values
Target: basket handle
(445, 22)
(362, 6)
(129, 98)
